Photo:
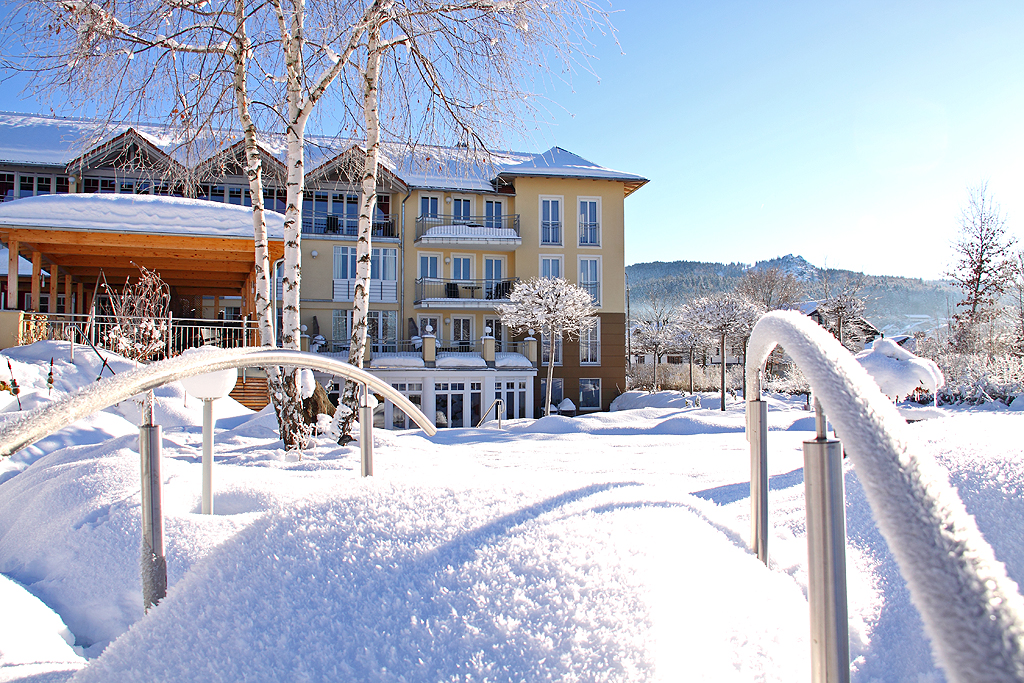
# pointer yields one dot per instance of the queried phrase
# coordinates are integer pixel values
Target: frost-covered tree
(552, 306)
(722, 316)
(984, 267)
(656, 337)
(770, 288)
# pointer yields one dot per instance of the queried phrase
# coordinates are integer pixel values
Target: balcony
(333, 225)
(594, 289)
(493, 232)
(466, 294)
(381, 291)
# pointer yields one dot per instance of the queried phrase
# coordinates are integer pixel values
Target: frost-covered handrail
(971, 610)
(27, 428)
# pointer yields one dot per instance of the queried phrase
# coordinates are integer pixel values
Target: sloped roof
(50, 140)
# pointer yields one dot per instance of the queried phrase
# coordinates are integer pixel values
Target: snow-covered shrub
(978, 378)
(788, 379)
(676, 377)
(140, 310)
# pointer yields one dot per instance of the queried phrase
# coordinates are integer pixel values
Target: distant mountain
(896, 305)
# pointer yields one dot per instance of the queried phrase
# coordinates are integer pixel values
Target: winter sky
(846, 132)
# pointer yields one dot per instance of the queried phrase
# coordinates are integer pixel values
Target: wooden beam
(80, 299)
(37, 267)
(141, 252)
(54, 279)
(113, 239)
(68, 297)
(205, 264)
(116, 276)
(12, 274)
(207, 291)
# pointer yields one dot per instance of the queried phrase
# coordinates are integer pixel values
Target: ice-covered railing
(971, 609)
(27, 428)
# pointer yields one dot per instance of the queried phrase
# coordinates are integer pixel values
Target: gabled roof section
(348, 166)
(132, 149)
(561, 163)
(227, 161)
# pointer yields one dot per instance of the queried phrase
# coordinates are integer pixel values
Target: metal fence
(185, 333)
(444, 288)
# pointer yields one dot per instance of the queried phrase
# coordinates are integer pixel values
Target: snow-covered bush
(977, 378)
(140, 311)
(676, 377)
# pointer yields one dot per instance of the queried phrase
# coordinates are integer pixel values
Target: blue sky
(845, 132)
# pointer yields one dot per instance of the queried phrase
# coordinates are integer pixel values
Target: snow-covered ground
(608, 547)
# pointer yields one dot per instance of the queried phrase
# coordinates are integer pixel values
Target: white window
(384, 264)
(344, 263)
(462, 209)
(340, 336)
(493, 212)
(428, 265)
(428, 206)
(551, 220)
(428, 321)
(557, 389)
(344, 218)
(590, 221)
(495, 287)
(590, 394)
(545, 350)
(497, 331)
(590, 344)
(590, 277)
(462, 268)
(462, 329)
(551, 266)
(381, 330)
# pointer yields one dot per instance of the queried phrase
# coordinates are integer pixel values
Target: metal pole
(154, 564)
(757, 435)
(207, 456)
(826, 556)
(366, 433)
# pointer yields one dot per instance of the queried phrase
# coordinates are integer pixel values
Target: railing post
(757, 435)
(154, 564)
(366, 405)
(207, 456)
(826, 556)
(170, 333)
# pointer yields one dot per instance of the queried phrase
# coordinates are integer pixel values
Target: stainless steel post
(757, 435)
(366, 433)
(207, 456)
(154, 564)
(826, 556)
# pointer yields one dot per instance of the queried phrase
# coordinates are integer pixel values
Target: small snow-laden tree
(840, 303)
(692, 339)
(656, 330)
(770, 288)
(656, 337)
(553, 307)
(140, 316)
(722, 316)
(984, 266)
(1017, 343)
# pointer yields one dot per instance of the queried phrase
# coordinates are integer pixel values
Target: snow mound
(897, 371)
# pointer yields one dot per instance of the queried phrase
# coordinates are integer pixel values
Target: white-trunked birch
(552, 306)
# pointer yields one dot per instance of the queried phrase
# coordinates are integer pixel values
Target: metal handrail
(496, 402)
(971, 610)
(27, 428)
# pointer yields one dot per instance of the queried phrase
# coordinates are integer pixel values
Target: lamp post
(209, 388)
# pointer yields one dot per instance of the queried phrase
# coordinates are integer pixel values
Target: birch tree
(553, 307)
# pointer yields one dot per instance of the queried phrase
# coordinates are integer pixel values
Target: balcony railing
(594, 289)
(551, 232)
(590, 234)
(441, 288)
(451, 227)
(347, 226)
(381, 291)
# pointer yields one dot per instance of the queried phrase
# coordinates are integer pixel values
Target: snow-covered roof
(561, 163)
(55, 141)
(127, 213)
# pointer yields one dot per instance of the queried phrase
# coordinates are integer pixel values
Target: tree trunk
(691, 369)
(361, 296)
(723, 371)
(551, 368)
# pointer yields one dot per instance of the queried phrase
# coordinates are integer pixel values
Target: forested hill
(896, 305)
